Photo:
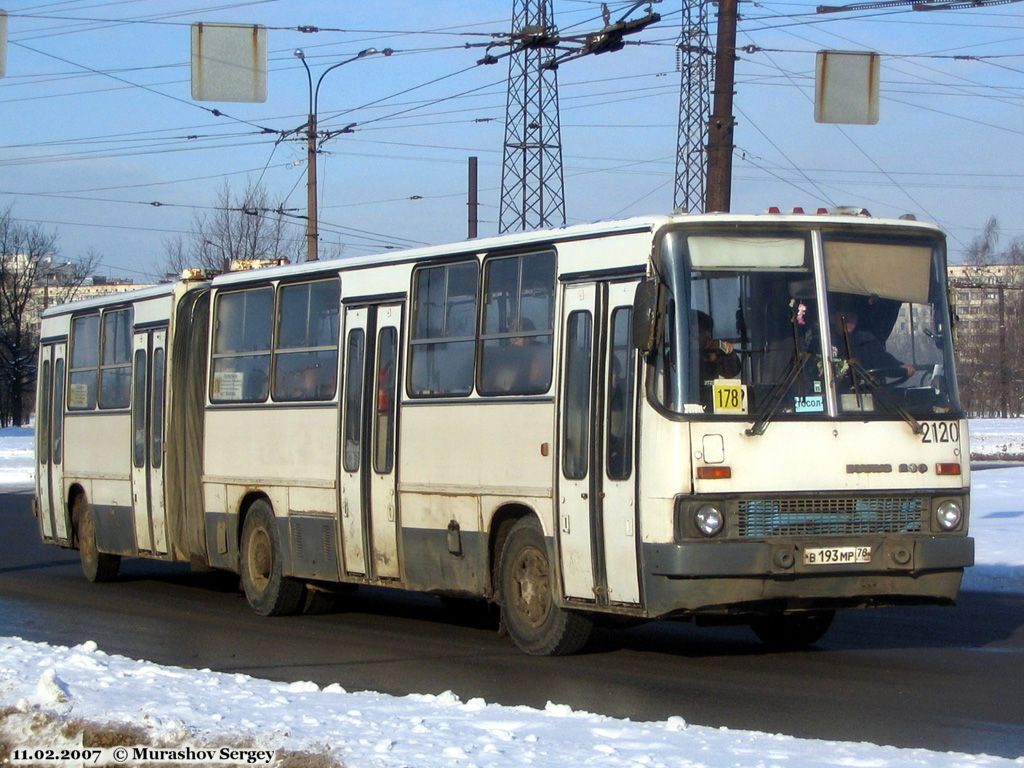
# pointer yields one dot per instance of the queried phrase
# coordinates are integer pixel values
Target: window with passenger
(516, 341)
(443, 343)
(306, 352)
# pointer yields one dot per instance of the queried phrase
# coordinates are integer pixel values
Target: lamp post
(312, 232)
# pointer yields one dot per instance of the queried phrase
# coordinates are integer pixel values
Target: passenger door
(384, 434)
(597, 415)
(369, 517)
(50, 444)
(149, 367)
(353, 535)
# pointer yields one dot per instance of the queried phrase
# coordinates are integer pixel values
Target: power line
(214, 112)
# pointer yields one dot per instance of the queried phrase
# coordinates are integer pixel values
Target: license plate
(836, 555)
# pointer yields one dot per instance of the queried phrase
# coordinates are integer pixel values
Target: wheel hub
(260, 560)
(532, 593)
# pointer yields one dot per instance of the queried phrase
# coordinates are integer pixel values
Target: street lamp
(312, 233)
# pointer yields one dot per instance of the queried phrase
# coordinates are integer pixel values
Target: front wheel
(535, 622)
(266, 588)
(97, 566)
(792, 631)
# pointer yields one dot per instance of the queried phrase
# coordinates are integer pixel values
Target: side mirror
(648, 307)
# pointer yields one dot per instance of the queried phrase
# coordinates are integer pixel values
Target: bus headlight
(949, 515)
(709, 519)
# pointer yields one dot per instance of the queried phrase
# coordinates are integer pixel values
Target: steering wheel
(891, 375)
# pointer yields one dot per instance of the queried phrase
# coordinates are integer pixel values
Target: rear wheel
(97, 566)
(266, 588)
(791, 631)
(529, 611)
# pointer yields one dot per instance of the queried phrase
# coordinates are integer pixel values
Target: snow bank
(126, 702)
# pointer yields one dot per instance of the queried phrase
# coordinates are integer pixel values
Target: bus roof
(123, 297)
(525, 239)
(550, 236)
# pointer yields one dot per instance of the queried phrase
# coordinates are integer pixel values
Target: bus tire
(529, 610)
(268, 591)
(97, 566)
(792, 631)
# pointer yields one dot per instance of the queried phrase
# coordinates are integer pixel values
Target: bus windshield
(746, 312)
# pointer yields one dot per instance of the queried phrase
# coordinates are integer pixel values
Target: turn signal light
(948, 468)
(714, 473)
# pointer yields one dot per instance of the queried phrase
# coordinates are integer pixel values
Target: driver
(868, 350)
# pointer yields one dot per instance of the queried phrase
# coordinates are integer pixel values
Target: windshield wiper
(778, 393)
(859, 371)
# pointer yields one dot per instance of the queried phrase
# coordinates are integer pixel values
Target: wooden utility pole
(722, 122)
(473, 200)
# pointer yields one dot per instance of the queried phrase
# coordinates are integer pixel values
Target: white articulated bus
(720, 417)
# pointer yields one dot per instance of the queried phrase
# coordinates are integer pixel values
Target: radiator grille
(830, 516)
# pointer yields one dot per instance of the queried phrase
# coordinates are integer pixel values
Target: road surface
(946, 679)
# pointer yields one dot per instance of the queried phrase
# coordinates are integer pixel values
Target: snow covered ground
(54, 698)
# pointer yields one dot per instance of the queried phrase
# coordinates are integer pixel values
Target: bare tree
(990, 337)
(246, 226)
(30, 279)
(984, 249)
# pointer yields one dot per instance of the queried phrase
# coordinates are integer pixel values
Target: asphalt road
(948, 679)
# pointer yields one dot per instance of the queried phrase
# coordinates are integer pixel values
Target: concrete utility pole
(312, 136)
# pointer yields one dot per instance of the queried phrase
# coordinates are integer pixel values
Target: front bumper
(721, 576)
(703, 559)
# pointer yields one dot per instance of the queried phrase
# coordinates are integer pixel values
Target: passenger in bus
(864, 346)
(618, 421)
(523, 364)
(718, 357)
(309, 384)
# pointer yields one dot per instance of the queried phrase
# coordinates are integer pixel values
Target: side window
(56, 411)
(156, 427)
(306, 354)
(516, 342)
(139, 436)
(243, 321)
(443, 339)
(621, 375)
(45, 409)
(576, 408)
(85, 358)
(354, 399)
(387, 360)
(116, 363)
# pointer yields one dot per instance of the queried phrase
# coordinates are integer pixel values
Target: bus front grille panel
(824, 516)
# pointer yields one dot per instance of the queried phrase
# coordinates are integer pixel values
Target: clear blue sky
(98, 120)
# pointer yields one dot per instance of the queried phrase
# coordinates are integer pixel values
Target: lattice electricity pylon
(697, 67)
(532, 186)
